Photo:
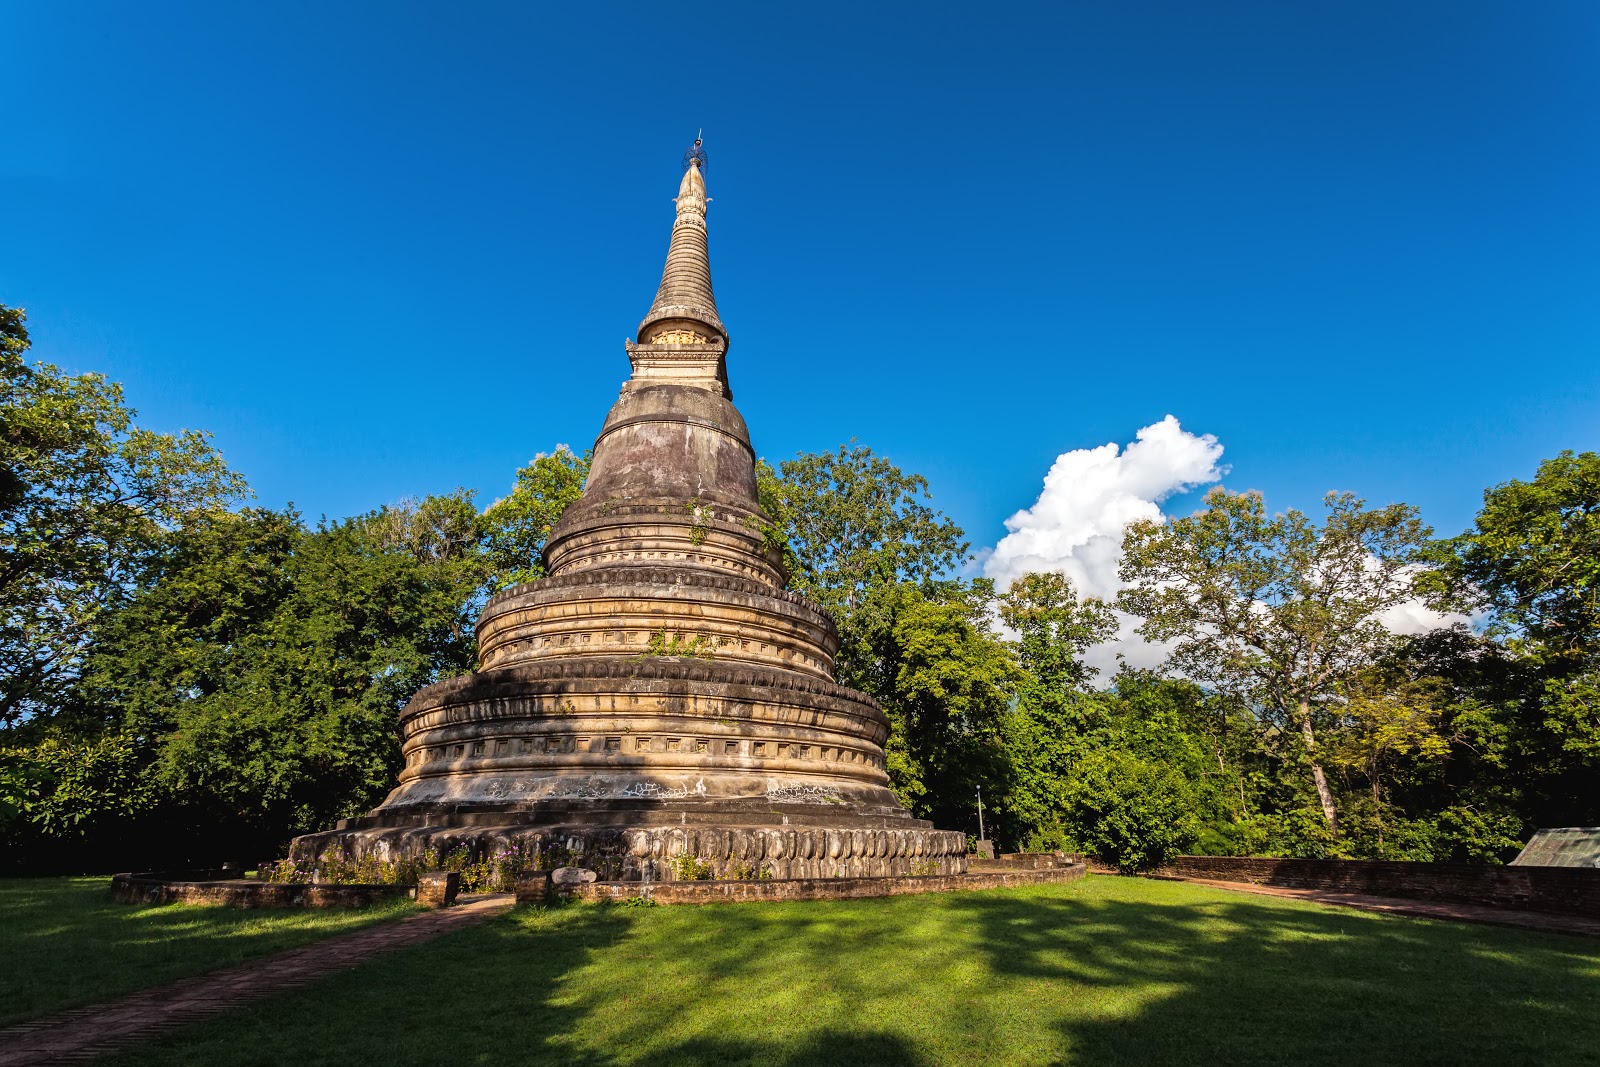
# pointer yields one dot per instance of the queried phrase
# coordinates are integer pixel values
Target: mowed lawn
(64, 943)
(1108, 970)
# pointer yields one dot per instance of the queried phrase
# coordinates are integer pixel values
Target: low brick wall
(245, 893)
(1025, 861)
(796, 888)
(1561, 890)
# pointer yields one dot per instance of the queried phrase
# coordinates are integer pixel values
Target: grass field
(64, 943)
(1108, 970)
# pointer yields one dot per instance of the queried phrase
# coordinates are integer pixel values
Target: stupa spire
(685, 309)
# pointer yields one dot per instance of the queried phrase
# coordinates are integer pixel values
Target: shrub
(497, 871)
(687, 867)
(1130, 812)
(745, 871)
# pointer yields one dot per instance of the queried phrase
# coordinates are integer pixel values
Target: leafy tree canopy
(86, 499)
(519, 525)
(853, 520)
(1532, 558)
(1275, 610)
(1054, 629)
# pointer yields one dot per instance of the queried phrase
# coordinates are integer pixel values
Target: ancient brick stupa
(660, 694)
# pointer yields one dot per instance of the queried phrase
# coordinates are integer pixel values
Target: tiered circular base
(627, 765)
(660, 702)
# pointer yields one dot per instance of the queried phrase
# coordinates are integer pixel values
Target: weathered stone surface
(572, 876)
(633, 852)
(660, 682)
(438, 889)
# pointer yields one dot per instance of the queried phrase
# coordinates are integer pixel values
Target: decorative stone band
(677, 335)
(651, 672)
(684, 313)
(792, 853)
(711, 536)
(666, 575)
(656, 728)
(639, 613)
(658, 853)
(666, 360)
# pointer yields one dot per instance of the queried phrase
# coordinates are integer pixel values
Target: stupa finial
(696, 155)
(685, 309)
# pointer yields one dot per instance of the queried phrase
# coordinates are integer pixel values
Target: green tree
(1130, 811)
(1532, 562)
(1440, 735)
(1532, 559)
(945, 680)
(247, 689)
(1150, 742)
(854, 521)
(517, 527)
(86, 498)
(1276, 611)
(1054, 628)
(1387, 719)
(447, 539)
(1050, 726)
(860, 539)
(304, 730)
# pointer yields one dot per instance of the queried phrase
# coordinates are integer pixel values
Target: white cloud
(1089, 497)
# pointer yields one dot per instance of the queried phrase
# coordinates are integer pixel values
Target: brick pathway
(1428, 909)
(84, 1033)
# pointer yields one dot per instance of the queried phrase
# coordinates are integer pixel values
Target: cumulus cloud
(1090, 496)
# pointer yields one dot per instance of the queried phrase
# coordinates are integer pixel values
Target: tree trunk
(1324, 793)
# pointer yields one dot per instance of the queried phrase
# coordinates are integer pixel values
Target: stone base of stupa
(624, 843)
(630, 765)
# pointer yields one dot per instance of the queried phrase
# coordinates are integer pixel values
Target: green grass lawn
(1108, 970)
(64, 943)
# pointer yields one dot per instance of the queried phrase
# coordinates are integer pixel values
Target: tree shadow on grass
(569, 986)
(828, 1048)
(67, 943)
(1123, 972)
(1230, 979)
(485, 994)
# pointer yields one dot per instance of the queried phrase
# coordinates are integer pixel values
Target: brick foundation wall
(1025, 861)
(797, 888)
(1562, 890)
(242, 893)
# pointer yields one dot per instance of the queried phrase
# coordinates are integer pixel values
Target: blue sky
(386, 249)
